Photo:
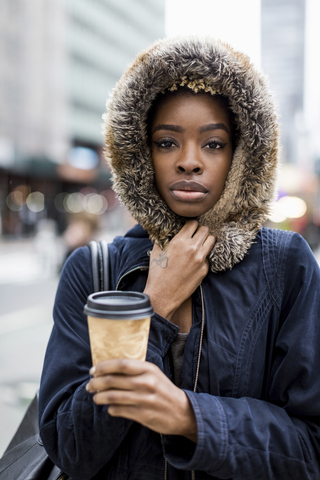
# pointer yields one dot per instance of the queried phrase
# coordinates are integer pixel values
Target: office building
(282, 59)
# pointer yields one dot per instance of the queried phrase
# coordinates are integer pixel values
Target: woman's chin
(189, 212)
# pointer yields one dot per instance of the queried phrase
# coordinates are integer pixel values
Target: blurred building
(33, 94)
(286, 59)
(283, 60)
(59, 59)
(103, 37)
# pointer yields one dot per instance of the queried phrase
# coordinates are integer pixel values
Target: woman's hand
(140, 391)
(177, 271)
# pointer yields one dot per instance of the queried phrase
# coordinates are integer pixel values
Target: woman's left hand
(140, 391)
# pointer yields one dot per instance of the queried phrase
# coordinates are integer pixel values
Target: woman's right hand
(177, 271)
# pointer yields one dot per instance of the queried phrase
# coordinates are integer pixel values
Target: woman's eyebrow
(172, 128)
(213, 126)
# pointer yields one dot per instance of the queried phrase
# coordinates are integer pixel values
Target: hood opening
(213, 65)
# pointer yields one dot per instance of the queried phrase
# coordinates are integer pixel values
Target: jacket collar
(133, 249)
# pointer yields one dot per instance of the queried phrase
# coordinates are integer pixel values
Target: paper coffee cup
(119, 324)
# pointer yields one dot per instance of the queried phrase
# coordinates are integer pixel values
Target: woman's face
(191, 152)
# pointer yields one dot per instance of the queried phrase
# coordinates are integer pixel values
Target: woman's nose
(189, 161)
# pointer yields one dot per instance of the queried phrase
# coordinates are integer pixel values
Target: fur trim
(243, 205)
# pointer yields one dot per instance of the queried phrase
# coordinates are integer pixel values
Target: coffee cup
(119, 324)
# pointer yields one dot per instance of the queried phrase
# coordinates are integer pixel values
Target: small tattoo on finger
(161, 262)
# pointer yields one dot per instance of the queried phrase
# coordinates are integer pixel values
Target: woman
(231, 387)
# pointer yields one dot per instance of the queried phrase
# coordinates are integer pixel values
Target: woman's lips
(187, 195)
(188, 191)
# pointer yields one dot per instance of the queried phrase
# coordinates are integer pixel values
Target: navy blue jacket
(253, 353)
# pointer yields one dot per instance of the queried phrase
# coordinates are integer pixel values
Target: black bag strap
(94, 265)
(100, 265)
(105, 263)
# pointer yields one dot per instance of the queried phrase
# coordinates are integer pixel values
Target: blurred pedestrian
(80, 231)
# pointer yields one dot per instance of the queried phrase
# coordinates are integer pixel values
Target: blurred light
(292, 207)
(287, 207)
(87, 190)
(96, 204)
(74, 203)
(276, 215)
(59, 202)
(83, 158)
(20, 193)
(10, 201)
(111, 198)
(35, 202)
(17, 198)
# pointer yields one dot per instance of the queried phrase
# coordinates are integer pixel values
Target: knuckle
(112, 410)
(108, 380)
(151, 404)
(204, 229)
(94, 386)
(152, 382)
(151, 366)
(98, 398)
(193, 248)
(111, 397)
(115, 411)
(199, 259)
(204, 269)
(124, 364)
(149, 383)
(101, 368)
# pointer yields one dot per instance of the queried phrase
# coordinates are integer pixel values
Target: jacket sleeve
(243, 438)
(79, 436)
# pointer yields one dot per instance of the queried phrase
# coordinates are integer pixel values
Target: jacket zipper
(193, 477)
(61, 476)
(130, 271)
(201, 339)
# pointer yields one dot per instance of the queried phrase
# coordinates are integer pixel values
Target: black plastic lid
(118, 305)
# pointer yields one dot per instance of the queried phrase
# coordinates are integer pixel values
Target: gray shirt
(177, 351)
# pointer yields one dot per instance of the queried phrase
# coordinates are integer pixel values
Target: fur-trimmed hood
(243, 205)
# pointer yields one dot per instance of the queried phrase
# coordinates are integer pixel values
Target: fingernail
(87, 387)
(92, 370)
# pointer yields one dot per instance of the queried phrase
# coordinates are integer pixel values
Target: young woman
(230, 388)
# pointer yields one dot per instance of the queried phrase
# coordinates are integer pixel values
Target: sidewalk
(27, 260)
(27, 290)
(23, 338)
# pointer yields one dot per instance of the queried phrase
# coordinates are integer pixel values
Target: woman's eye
(164, 144)
(215, 145)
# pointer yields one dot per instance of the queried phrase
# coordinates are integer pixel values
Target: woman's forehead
(178, 103)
